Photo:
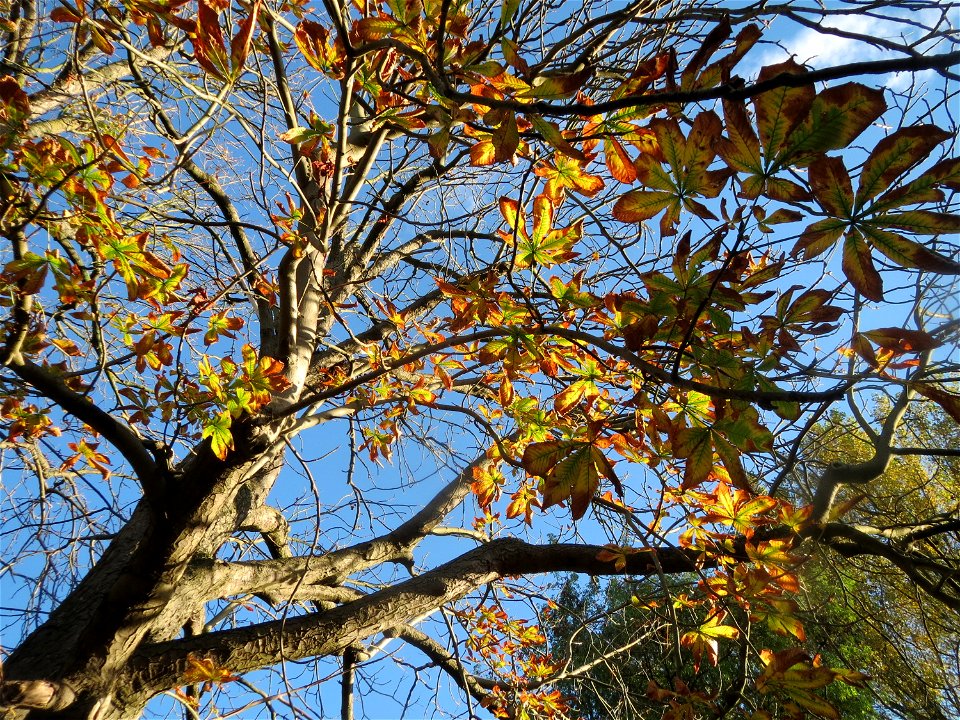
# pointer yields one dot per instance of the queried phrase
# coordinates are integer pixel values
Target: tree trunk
(134, 590)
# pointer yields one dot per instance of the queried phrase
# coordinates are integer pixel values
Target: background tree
(571, 269)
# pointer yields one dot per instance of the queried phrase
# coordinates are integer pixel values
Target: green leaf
(217, 429)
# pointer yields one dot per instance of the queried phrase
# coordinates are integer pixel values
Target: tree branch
(160, 666)
(149, 473)
(218, 579)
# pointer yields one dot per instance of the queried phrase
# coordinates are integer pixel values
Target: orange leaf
(483, 153)
(240, 45)
(618, 161)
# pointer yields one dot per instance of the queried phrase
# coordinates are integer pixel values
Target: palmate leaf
(737, 508)
(217, 428)
(205, 670)
(544, 246)
(872, 226)
(567, 173)
(522, 502)
(780, 616)
(688, 159)
(313, 40)
(792, 674)
(540, 458)
(702, 642)
(570, 472)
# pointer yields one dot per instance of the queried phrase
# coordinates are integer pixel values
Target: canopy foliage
(331, 325)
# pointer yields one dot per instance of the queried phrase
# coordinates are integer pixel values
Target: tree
(571, 270)
(851, 618)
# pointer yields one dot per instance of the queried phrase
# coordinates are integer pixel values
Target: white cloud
(823, 50)
(898, 82)
(820, 49)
